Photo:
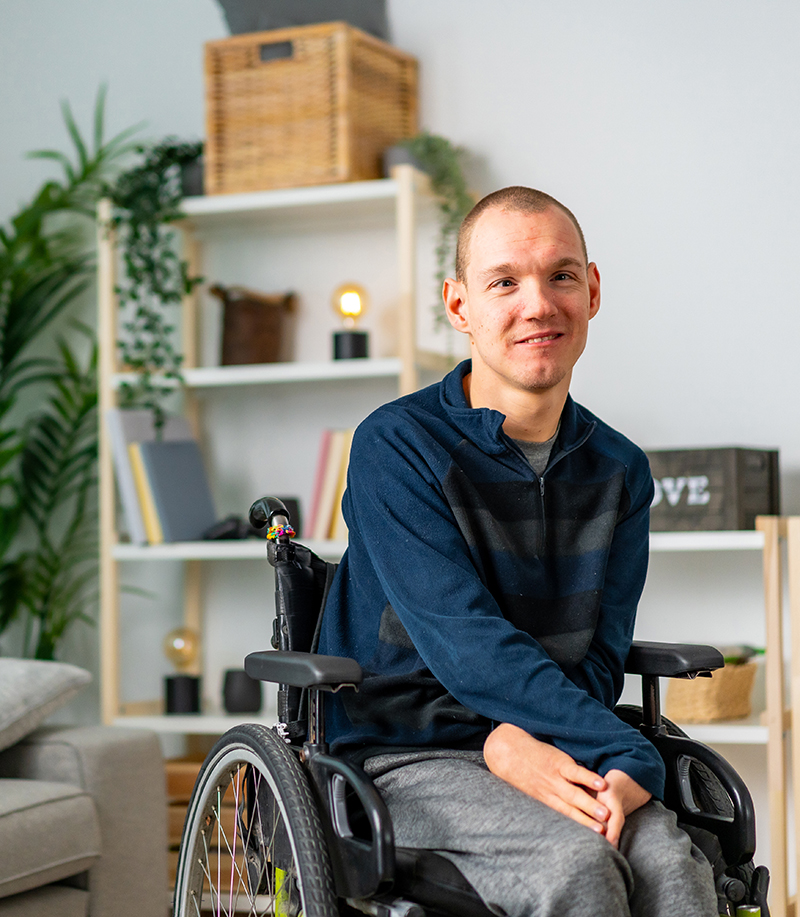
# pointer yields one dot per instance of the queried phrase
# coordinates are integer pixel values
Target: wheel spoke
(243, 837)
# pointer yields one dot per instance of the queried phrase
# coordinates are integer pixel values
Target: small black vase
(240, 692)
(182, 694)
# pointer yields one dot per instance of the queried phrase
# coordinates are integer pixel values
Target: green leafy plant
(147, 200)
(46, 263)
(442, 162)
(58, 492)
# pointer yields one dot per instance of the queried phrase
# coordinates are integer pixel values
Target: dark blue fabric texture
(474, 592)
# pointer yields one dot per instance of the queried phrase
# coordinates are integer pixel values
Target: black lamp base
(182, 694)
(350, 345)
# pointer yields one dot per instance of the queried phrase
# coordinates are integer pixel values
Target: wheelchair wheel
(253, 841)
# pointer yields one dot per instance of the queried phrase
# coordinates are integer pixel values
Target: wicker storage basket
(303, 106)
(256, 327)
(727, 695)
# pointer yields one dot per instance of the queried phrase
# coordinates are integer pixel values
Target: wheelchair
(277, 825)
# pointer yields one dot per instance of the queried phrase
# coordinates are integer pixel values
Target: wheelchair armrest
(672, 660)
(303, 670)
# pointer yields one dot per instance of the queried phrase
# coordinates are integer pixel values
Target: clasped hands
(550, 775)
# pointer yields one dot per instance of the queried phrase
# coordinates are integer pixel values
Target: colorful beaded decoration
(274, 532)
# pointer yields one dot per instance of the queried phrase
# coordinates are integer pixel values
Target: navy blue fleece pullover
(474, 592)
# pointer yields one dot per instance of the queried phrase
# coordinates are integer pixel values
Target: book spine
(126, 484)
(319, 477)
(324, 517)
(338, 530)
(152, 524)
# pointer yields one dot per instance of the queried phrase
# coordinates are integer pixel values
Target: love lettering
(672, 489)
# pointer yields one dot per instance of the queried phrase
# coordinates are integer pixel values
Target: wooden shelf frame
(781, 564)
(391, 202)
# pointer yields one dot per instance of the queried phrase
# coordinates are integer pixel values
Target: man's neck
(531, 416)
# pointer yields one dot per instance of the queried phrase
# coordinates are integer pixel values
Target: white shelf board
(706, 541)
(255, 548)
(276, 373)
(734, 732)
(237, 549)
(216, 205)
(191, 724)
(266, 373)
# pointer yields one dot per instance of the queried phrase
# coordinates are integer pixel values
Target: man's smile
(540, 338)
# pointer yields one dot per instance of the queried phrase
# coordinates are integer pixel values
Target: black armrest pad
(303, 670)
(672, 660)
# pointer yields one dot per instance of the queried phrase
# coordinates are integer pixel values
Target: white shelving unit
(388, 206)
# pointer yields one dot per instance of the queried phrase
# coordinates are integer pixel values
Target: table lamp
(182, 691)
(350, 303)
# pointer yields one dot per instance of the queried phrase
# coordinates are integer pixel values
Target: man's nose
(536, 303)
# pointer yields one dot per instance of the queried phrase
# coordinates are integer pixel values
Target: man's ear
(594, 289)
(454, 293)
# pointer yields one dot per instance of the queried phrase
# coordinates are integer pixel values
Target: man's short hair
(517, 198)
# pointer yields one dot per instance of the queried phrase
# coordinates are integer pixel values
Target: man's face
(526, 301)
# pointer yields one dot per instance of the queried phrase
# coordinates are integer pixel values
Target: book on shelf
(133, 425)
(154, 534)
(177, 480)
(319, 477)
(325, 519)
(338, 529)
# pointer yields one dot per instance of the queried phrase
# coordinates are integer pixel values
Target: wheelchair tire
(709, 794)
(253, 841)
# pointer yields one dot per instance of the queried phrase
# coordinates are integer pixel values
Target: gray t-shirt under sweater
(538, 454)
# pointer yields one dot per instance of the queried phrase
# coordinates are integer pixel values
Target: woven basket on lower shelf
(727, 695)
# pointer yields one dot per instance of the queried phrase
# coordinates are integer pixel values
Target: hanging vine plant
(441, 160)
(146, 202)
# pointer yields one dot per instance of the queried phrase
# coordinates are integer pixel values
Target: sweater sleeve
(398, 515)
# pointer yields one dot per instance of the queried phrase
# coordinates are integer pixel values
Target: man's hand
(553, 777)
(622, 796)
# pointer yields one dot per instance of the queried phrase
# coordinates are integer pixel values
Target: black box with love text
(713, 489)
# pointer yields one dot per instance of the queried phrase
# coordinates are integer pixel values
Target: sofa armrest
(123, 771)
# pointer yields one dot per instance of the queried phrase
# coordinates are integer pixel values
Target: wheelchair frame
(335, 803)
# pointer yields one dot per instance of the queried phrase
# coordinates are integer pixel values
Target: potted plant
(441, 160)
(146, 201)
(48, 461)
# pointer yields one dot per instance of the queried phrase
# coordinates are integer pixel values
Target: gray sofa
(82, 822)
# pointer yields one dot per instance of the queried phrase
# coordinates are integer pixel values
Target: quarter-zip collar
(484, 426)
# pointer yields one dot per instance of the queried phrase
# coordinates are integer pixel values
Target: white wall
(671, 129)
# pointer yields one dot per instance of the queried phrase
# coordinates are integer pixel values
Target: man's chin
(540, 382)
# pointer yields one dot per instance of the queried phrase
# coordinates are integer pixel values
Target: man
(497, 552)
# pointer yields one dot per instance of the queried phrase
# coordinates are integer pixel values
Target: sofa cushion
(32, 689)
(48, 831)
(50, 901)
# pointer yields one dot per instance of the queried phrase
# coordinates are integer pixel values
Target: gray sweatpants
(528, 860)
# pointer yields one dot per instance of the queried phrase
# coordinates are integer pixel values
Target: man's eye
(505, 282)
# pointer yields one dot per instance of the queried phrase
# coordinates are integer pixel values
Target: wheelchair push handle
(271, 513)
(265, 510)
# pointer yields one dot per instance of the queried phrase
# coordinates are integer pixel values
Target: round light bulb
(180, 647)
(350, 303)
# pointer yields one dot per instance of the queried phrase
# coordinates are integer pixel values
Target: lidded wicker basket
(304, 106)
